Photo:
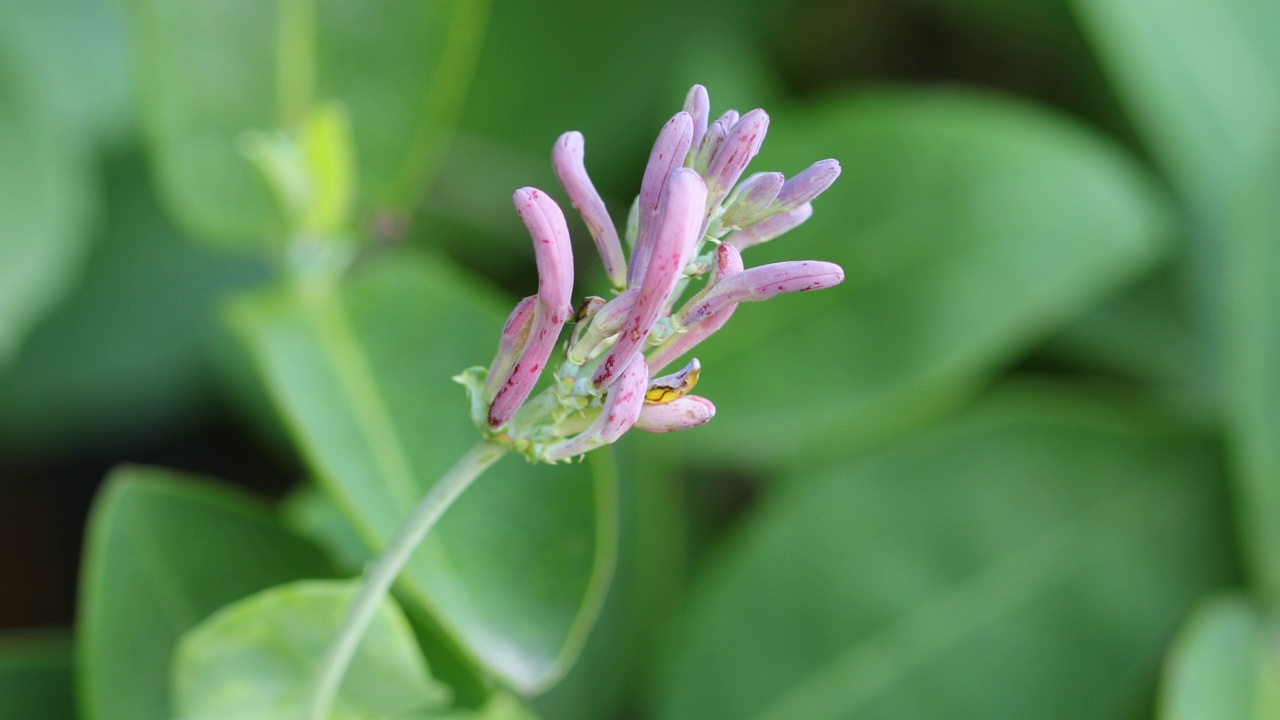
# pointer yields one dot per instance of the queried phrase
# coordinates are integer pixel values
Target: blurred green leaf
(1219, 664)
(44, 201)
(1200, 78)
(77, 50)
(363, 377)
(135, 334)
(970, 227)
(1252, 365)
(255, 660)
(647, 584)
(163, 552)
(209, 70)
(1026, 560)
(35, 676)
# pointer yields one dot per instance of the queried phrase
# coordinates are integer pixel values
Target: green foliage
(36, 676)
(1223, 665)
(163, 552)
(1025, 560)
(399, 69)
(362, 375)
(254, 660)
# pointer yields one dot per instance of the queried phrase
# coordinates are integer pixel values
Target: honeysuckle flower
(692, 217)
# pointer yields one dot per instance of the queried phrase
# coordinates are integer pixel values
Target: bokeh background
(991, 476)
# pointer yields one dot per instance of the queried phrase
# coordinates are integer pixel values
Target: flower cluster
(690, 222)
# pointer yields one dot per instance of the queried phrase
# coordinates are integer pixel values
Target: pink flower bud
(770, 228)
(751, 199)
(712, 139)
(687, 412)
(668, 154)
(529, 365)
(698, 105)
(676, 231)
(515, 333)
(764, 282)
(728, 264)
(809, 184)
(620, 410)
(567, 159)
(740, 146)
(551, 248)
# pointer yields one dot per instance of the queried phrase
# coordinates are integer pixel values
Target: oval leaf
(163, 552)
(1028, 560)
(255, 660)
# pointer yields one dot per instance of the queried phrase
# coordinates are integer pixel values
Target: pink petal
(677, 230)
(770, 228)
(551, 247)
(515, 333)
(668, 154)
(681, 414)
(567, 159)
(764, 282)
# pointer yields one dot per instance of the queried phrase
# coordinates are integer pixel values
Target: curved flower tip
(677, 230)
(526, 370)
(740, 146)
(567, 159)
(698, 105)
(668, 153)
(551, 247)
(687, 412)
(808, 185)
(764, 282)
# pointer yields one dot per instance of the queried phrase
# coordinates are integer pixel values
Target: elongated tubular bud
(764, 282)
(710, 145)
(803, 188)
(752, 198)
(567, 159)
(769, 228)
(551, 247)
(668, 154)
(728, 118)
(728, 264)
(740, 146)
(620, 410)
(515, 333)
(687, 412)
(698, 105)
(606, 323)
(676, 232)
(528, 367)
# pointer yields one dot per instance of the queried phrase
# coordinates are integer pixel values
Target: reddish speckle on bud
(668, 154)
(678, 229)
(684, 413)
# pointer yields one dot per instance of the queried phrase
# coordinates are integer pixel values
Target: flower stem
(379, 577)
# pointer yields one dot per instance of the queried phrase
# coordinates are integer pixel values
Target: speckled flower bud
(751, 199)
(769, 228)
(809, 184)
(764, 282)
(687, 412)
(740, 146)
(668, 154)
(567, 159)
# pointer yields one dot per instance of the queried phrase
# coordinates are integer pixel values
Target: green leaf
(1200, 79)
(1222, 664)
(35, 676)
(135, 333)
(969, 227)
(1026, 560)
(163, 552)
(210, 70)
(1251, 378)
(43, 199)
(255, 660)
(516, 570)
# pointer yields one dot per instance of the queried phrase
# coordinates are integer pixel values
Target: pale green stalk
(378, 579)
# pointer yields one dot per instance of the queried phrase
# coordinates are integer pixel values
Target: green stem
(378, 579)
